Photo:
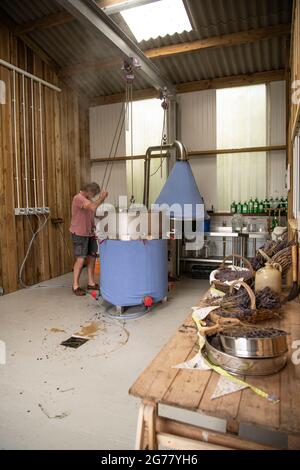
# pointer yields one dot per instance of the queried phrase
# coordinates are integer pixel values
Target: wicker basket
(282, 258)
(256, 316)
(247, 277)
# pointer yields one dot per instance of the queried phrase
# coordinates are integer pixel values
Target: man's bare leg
(78, 265)
(90, 270)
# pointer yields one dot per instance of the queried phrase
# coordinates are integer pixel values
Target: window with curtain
(147, 118)
(241, 122)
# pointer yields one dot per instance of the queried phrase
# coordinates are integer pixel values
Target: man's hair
(93, 188)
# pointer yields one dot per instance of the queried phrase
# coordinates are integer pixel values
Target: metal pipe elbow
(181, 150)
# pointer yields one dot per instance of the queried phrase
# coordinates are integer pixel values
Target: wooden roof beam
(232, 81)
(210, 84)
(226, 40)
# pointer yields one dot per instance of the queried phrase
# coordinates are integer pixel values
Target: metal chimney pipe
(181, 150)
(181, 154)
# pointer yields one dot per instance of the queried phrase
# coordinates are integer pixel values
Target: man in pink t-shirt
(82, 229)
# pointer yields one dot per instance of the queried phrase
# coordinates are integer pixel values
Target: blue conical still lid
(181, 192)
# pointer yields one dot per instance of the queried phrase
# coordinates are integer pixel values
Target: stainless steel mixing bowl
(254, 347)
(242, 366)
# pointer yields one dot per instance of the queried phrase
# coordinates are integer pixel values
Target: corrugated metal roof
(221, 62)
(106, 82)
(26, 10)
(71, 43)
(214, 17)
(217, 17)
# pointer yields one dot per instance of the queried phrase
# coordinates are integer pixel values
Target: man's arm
(93, 205)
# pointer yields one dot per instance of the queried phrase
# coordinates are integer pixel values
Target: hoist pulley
(129, 65)
(165, 98)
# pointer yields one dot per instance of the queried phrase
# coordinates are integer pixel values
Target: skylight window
(157, 19)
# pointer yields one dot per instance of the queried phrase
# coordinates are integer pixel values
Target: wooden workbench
(192, 390)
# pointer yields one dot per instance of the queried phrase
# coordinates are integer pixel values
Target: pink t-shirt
(82, 221)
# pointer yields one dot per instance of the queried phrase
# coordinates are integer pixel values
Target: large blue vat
(132, 270)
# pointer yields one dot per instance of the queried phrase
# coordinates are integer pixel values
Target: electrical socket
(32, 210)
(21, 211)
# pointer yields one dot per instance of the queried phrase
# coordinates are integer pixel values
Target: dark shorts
(84, 246)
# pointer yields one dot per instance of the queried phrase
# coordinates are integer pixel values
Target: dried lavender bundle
(267, 298)
(242, 313)
(228, 274)
(237, 305)
(252, 332)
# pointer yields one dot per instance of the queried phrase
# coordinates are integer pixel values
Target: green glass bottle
(266, 204)
(233, 208)
(261, 207)
(251, 206)
(275, 222)
(255, 206)
(239, 208)
(245, 208)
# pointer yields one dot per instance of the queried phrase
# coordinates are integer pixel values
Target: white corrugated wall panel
(197, 119)
(147, 121)
(197, 130)
(117, 184)
(277, 136)
(103, 124)
(277, 110)
(205, 173)
(276, 174)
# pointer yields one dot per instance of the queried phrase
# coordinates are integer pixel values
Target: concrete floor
(54, 397)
